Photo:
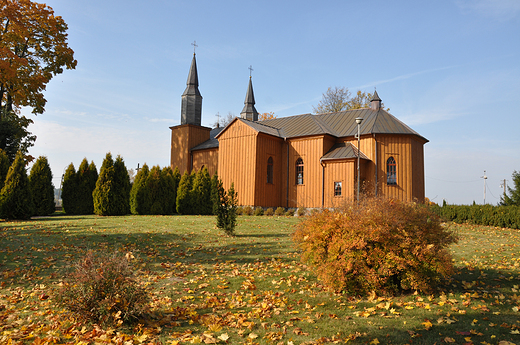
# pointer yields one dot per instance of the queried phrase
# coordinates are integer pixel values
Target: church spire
(375, 102)
(249, 112)
(191, 107)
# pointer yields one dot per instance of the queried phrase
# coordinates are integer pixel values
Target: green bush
(87, 176)
(290, 212)
(112, 193)
(169, 190)
(139, 198)
(102, 289)
(4, 167)
(42, 189)
(214, 193)
(280, 211)
(201, 193)
(240, 211)
(380, 245)
(500, 216)
(16, 200)
(69, 190)
(247, 210)
(301, 211)
(184, 195)
(269, 211)
(226, 211)
(259, 211)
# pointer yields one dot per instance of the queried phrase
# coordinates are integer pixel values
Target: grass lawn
(251, 289)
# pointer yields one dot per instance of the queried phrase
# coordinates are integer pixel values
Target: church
(302, 160)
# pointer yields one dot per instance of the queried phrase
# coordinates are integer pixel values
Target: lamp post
(358, 121)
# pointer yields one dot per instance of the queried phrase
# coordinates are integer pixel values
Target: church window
(270, 170)
(337, 188)
(391, 171)
(299, 171)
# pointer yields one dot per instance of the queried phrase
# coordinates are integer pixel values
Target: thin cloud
(500, 10)
(402, 77)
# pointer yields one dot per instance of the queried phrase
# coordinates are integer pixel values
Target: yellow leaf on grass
(375, 341)
(427, 324)
(223, 337)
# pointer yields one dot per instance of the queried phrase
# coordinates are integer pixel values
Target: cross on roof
(194, 44)
(250, 70)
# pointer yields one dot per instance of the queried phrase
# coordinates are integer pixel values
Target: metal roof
(343, 151)
(339, 124)
(212, 142)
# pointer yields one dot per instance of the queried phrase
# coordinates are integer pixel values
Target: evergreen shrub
(269, 211)
(247, 210)
(101, 288)
(499, 216)
(16, 200)
(259, 211)
(290, 212)
(139, 197)
(301, 211)
(86, 176)
(4, 167)
(184, 202)
(380, 245)
(280, 211)
(226, 211)
(69, 190)
(240, 211)
(42, 189)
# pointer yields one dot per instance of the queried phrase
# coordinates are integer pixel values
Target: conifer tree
(103, 194)
(4, 167)
(42, 189)
(227, 209)
(214, 193)
(169, 190)
(514, 193)
(202, 193)
(154, 188)
(176, 182)
(139, 198)
(86, 180)
(15, 197)
(121, 184)
(69, 191)
(184, 195)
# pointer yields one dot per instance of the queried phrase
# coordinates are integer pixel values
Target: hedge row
(499, 216)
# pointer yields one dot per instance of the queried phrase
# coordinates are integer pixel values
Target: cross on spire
(250, 70)
(194, 44)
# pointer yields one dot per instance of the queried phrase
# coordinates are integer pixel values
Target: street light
(358, 121)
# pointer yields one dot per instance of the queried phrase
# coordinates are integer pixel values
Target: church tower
(190, 132)
(249, 112)
(191, 108)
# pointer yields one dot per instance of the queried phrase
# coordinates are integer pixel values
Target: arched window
(299, 171)
(391, 171)
(270, 170)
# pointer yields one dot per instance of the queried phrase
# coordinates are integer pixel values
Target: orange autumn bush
(380, 245)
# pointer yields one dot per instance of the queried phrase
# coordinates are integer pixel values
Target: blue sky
(448, 69)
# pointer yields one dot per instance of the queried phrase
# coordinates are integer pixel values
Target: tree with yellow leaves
(33, 49)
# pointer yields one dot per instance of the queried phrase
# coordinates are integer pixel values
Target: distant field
(252, 288)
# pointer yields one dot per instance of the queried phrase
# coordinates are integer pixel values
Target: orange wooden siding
(268, 194)
(237, 161)
(185, 137)
(206, 158)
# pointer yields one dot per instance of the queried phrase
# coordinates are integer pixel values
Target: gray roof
(212, 142)
(339, 124)
(343, 151)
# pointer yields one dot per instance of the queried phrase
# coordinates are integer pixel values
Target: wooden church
(303, 160)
